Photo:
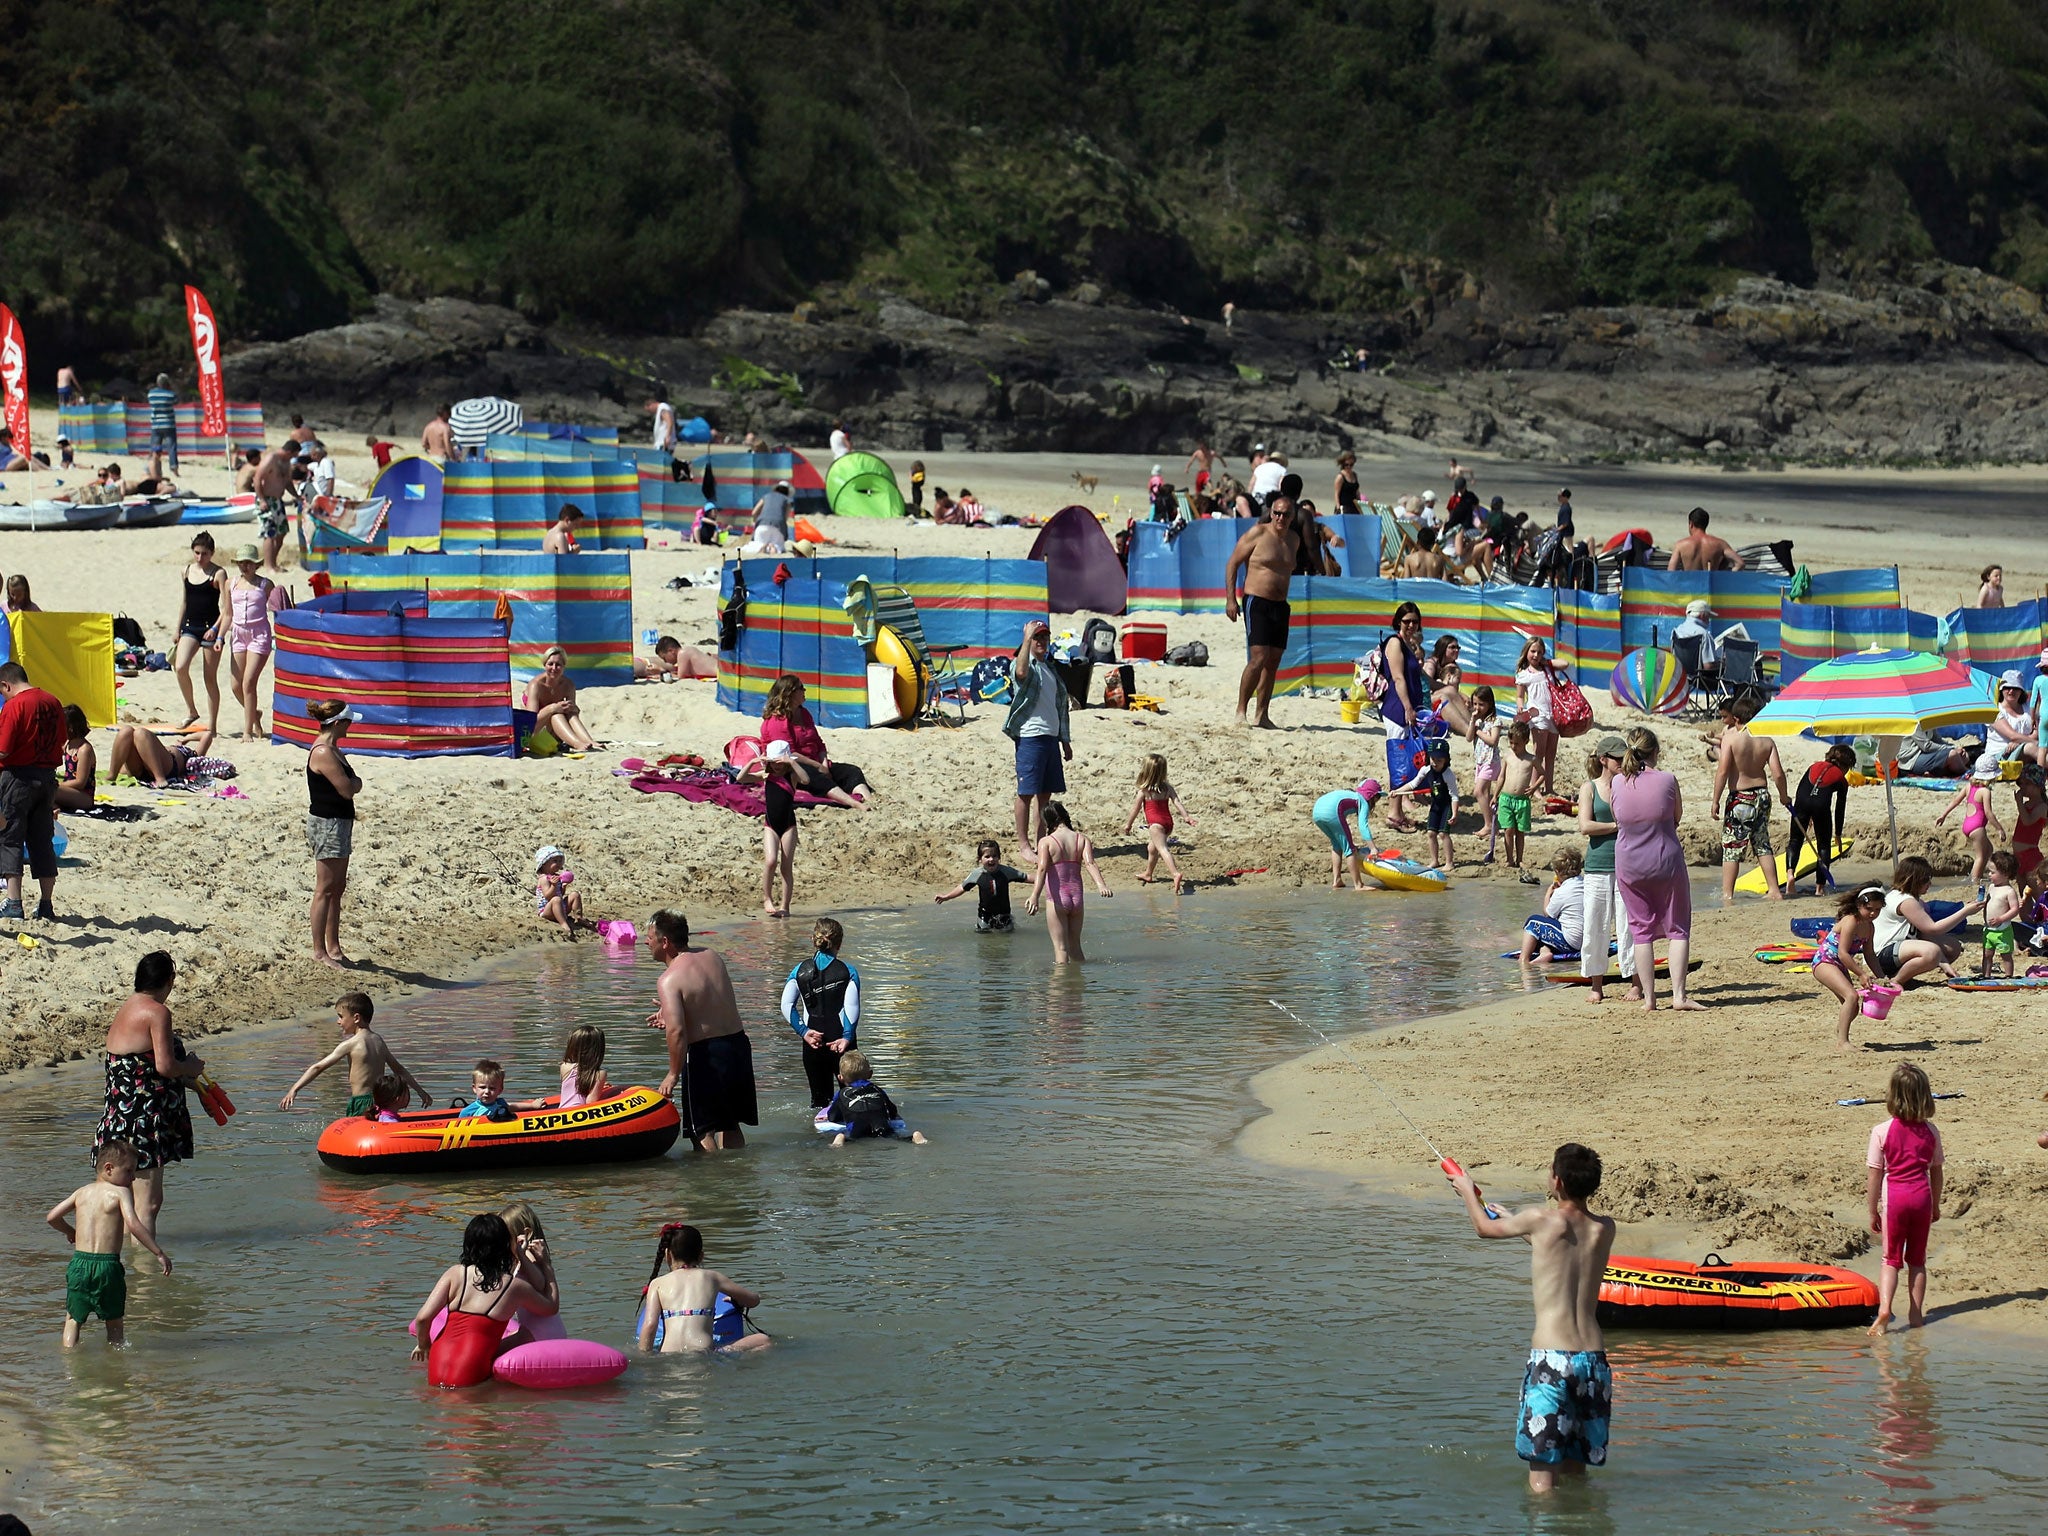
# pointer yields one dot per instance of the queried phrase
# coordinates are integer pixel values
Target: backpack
(1193, 654)
(1369, 673)
(128, 632)
(1098, 641)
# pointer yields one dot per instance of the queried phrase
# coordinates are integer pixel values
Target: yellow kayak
(1809, 857)
(1406, 875)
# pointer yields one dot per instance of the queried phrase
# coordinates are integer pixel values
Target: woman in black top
(1347, 484)
(331, 789)
(200, 628)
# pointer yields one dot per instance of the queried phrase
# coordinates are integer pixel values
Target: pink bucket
(616, 930)
(1878, 1000)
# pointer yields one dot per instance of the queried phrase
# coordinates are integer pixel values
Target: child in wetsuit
(95, 1283)
(1434, 779)
(821, 1001)
(992, 881)
(1156, 798)
(862, 1107)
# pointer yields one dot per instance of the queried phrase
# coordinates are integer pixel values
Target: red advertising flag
(14, 379)
(213, 400)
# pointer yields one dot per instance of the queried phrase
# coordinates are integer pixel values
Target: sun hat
(2044, 658)
(778, 752)
(248, 552)
(1988, 768)
(1699, 608)
(1156, 469)
(1611, 746)
(1258, 447)
(1430, 497)
(542, 855)
(2010, 678)
(1368, 790)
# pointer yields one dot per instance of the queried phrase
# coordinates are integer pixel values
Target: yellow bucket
(1350, 710)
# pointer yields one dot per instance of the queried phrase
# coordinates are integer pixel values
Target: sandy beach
(1728, 1127)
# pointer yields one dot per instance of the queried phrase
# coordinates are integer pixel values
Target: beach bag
(1098, 641)
(1369, 674)
(742, 750)
(1568, 707)
(990, 680)
(1193, 654)
(128, 632)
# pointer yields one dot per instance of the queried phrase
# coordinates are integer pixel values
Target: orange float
(1670, 1293)
(636, 1124)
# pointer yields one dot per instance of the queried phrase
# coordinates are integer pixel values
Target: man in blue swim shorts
(1567, 1390)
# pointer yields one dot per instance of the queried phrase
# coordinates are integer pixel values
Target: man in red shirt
(31, 752)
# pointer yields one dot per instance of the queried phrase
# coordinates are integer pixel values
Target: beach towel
(711, 787)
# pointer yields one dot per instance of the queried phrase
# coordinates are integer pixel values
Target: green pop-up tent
(862, 485)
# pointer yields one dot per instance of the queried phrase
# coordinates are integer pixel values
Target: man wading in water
(1266, 554)
(708, 1049)
(1566, 1388)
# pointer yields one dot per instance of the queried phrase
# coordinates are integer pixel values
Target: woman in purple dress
(1649, 866)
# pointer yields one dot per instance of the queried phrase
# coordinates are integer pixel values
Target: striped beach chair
(876, 606)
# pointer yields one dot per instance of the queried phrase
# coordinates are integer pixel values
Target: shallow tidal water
(1078, 1310)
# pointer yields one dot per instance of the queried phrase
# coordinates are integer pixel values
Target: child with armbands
(860, 1108)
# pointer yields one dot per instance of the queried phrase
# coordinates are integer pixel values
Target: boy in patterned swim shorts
(95, 1284)
(1566, 1388)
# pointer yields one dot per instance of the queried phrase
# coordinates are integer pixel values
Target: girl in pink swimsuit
(1975, 798)
(1062, 851)
(250, 601)
(1842, 961)
(1904, 1160)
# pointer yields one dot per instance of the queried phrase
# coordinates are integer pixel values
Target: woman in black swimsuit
(1347, 484)
(200, 628)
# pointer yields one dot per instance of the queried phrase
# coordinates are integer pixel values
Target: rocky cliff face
(1946, 365)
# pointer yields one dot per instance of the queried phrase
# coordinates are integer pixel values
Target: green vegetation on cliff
(634, 162)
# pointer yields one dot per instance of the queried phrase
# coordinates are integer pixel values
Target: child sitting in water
(1156, 798)
(1562, 927)
(681, 1304)
(1518, 774)
(487, 1087)
(552, 897)
(862, 1107)
(95, 1283)
(368, 1058)
(1433, 778)
(2001, 907)
(992, 880)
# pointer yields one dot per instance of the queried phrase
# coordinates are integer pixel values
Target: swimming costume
(1974, 818)
(1266, 622)
(2026, 839)
(202, 604)
(1513, 813)
(360, 1104)
(668, 1312)
(1159, 813)
(780, 796)
(992, 901)
(718, 1085)
(95, 1284)
(1906, 1153)
(1998, 940)
(462, 1355)
(1829, 951)
(1063, 884)
(1329, 816)
(1567, 1396)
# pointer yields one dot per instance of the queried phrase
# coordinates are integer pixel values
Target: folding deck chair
(875, 606)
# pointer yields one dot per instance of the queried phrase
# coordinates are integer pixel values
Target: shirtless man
(436, 442)
(1700, 550)
(67, 386)
(1424, 559)
(561, 539)
(1266, 554)
(552, 698)
(1740, 769)
(245, 472)
(1567, 1391)
(708, 1049)
(673, 660)
(273, 484)
(1202, 464)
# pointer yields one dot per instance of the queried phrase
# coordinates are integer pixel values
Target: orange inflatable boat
(638, 1123)
(1670, 1293)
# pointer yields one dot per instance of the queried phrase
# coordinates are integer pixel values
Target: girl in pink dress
(1905, 1169)
(1649, 866)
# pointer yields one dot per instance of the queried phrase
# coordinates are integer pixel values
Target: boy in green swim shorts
(1518, 773)
(2002, 902)
(368, 1058)
(95, 1285)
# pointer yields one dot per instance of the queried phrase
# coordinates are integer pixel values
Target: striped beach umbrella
(1650, 680)
(473, 421)
(1882, 693)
